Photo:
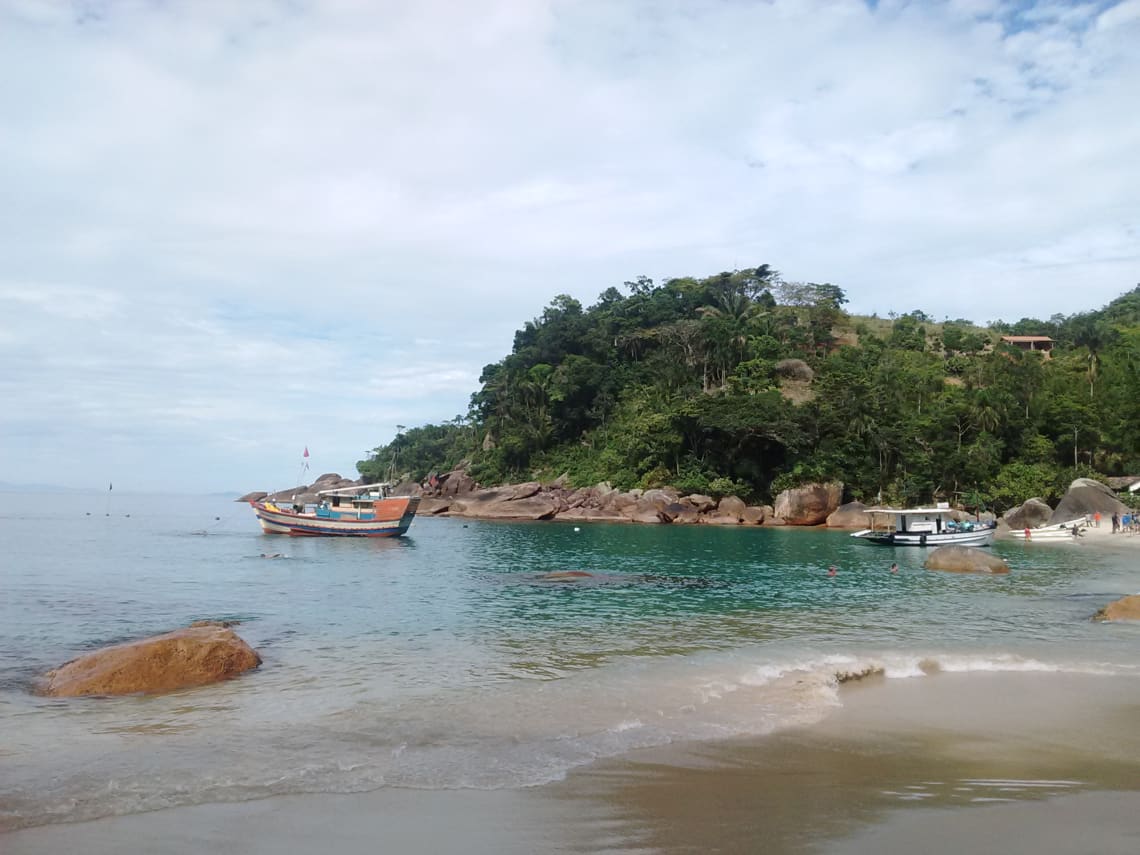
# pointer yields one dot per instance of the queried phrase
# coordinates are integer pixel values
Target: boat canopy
(353, 491)
(910, 511)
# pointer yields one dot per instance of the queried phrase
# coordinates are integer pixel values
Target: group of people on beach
(1127, 522)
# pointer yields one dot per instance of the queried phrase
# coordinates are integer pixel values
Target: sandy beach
(941, 764)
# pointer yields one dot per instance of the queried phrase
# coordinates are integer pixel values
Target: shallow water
(444, 659)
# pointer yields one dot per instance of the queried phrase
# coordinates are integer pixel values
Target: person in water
(894, 568)
(831, 571)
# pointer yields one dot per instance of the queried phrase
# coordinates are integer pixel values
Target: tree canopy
(745, 383)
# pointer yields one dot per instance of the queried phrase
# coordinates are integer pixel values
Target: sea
(472, 654)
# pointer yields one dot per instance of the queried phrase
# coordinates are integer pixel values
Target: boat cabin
(918, 520)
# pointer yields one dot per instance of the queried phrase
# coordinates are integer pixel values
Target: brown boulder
(809, 504)
(1029, 514)
(701, 502)
(255, 496)
(181, 659)
(1126, 608)
(430, 506)
(1086, 496)
(754, 515)
(588, 514)
(965, 559)
(852, 515)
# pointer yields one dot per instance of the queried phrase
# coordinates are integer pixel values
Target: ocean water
(446, 660)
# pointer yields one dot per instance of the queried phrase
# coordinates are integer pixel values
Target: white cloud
(227, 225)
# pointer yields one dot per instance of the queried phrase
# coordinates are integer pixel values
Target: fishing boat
(1057, 531)
(924, 527)
(363, 511)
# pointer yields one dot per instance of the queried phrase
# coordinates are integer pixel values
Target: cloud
(233, 229)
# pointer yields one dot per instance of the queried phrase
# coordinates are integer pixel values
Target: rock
(456, 483)
(432, 506)
(731, 506)
(565, 576)
(794, 369)
(588, 514)
(1087, 496)
(965, 559)
(1126, 608)
(754, 515)
(255, 496)
(810, 504)
(1029, 514)
(408, 488)
(516, 502)
(701, 502)
(853, 515)
(181, 659)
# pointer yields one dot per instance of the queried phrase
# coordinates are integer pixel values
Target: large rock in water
(810, 504)
(1029, 514)
(1088, 496)
(852, 515)
(188, 657)
(965, 559)
(1126, 608)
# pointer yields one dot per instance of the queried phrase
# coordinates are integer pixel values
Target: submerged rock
(195, 656)
(965, 559)
(1126, 608)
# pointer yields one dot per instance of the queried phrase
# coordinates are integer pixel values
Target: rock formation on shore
(206, 652)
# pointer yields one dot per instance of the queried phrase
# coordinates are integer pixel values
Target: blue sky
(232, 230)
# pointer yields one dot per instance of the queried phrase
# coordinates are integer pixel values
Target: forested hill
(742, 383)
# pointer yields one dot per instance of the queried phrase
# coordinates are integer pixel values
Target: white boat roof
(362, 488)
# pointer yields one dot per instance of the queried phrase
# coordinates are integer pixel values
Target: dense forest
(745, 384)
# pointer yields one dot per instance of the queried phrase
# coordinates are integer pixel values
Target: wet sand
(945, 764)
(1034, 763)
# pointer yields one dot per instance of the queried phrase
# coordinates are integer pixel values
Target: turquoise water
(444, 659)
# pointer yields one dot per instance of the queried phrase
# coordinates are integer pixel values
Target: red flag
(306, 454)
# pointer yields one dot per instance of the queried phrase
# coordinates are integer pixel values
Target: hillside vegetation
(744, 384)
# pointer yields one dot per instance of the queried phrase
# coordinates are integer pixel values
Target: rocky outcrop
(194, 656)
(1029, 514)
(255, 496)
(1087, 496)
(514, 502)
(965, 559)
(853, 515)
(1126, 608)
(810, 504)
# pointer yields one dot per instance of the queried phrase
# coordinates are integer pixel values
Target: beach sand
(949, 763)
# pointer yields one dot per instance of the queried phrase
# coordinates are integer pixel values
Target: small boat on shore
(364, 511)
(924, 527)
(1057, 531)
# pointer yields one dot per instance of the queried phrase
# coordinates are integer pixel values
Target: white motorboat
(924, 527)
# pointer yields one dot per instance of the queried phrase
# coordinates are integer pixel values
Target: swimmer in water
(894, 568)
(832, 571)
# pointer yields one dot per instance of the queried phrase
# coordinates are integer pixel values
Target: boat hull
(1057, 531)
(389, 518)
(977, 537)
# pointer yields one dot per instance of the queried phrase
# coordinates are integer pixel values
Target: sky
(231, 231)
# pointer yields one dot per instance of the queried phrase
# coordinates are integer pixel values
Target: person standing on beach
(1115, 521)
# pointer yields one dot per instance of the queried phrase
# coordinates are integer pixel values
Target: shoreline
(1023, 754)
